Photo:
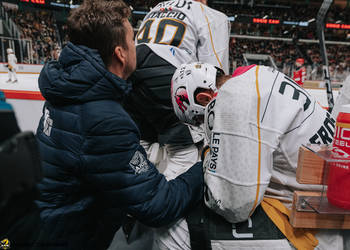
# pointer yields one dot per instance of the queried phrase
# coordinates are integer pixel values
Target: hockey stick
(320, 22)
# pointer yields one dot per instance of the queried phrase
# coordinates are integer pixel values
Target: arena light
(138, 12)
(304, 24)
(338, 26)
(266, 21)
(290, 23)
(71, 6)
(34, 1)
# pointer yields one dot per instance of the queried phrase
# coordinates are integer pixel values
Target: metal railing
(22, 47)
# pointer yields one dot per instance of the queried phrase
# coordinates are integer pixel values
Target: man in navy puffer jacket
(95, 171)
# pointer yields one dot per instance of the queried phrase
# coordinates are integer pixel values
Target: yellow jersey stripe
(211, 37)
(259, 139)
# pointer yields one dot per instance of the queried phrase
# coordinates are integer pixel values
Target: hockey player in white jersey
(255, 121)
(172, 33)
(11, 65)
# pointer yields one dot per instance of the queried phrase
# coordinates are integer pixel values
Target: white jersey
(255, 127)
(343, 97)
(12, 61)
(192, 31)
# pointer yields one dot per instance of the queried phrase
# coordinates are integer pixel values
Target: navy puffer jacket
(95, 171)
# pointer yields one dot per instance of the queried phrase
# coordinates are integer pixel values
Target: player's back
(264, 108)
(183, 26)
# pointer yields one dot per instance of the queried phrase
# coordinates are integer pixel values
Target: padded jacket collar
(80, 76)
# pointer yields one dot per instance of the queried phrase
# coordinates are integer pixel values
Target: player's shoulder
(253, 73)
(213, 12)
(242, 70)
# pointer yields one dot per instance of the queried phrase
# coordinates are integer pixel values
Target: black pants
(204, 225)
(149, 103)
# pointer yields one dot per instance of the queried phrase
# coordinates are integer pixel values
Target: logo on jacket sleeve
(181, 98)
(47, 123)
(139, 163)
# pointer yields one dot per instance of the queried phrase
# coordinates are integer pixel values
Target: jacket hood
(80, 76)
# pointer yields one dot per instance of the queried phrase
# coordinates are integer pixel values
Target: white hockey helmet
(188, 79)
(9, 51)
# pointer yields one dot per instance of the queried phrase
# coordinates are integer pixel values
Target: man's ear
(120, 54)
(204, 98)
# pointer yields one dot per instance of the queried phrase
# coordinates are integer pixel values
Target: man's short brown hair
(99, 24)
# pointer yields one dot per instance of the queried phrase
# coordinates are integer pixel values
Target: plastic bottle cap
(345, 108)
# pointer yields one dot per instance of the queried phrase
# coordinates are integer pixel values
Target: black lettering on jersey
(325, 137)
(145, 29)
(212, 165)
(325, 133)
(162, 14)
(296, 93)
(165, 4)
(177, 37)
(172, 14)
(158, 14)
(211, 105)
(189, 5)
(182, 73)
(329, 124)
(180, 3)
(314, 139)
(214, 151)
(181, 16)
(211, 115)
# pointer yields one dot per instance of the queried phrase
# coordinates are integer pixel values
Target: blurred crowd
(38, 26)
(285, 54)
(287, 12)
(48, 37)
(292, 13)
(287, 31)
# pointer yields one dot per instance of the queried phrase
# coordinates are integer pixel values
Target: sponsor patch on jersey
(211, 114)
(181, 98)
(214, 151)
(139, 163)
(325, 133)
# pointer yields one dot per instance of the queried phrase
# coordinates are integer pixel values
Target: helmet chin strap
(203, 98)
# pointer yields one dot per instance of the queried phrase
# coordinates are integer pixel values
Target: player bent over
(255, 121)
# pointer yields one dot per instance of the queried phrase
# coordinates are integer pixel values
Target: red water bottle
(338, 192)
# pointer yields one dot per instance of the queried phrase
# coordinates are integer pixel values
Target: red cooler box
(338, 192)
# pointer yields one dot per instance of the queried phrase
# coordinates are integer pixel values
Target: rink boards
(27, 100)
